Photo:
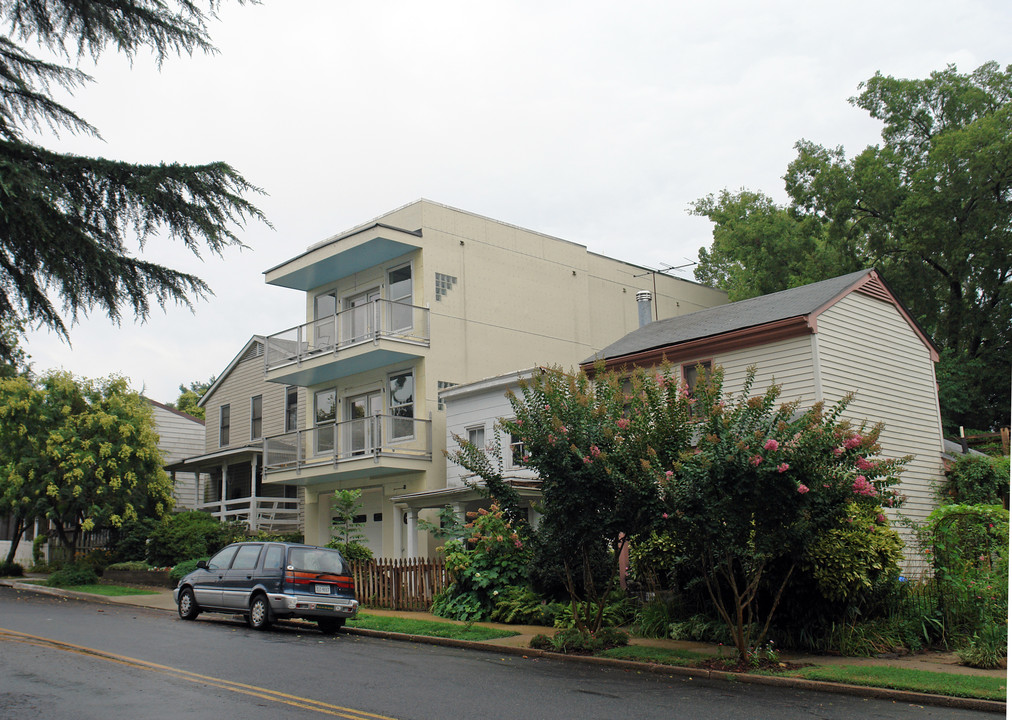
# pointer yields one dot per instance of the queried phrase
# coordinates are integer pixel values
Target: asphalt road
(70, 659)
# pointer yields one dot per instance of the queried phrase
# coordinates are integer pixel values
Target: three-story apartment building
(421, 299)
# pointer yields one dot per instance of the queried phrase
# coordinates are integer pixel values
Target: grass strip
(926, 681)
(106, 590)
(661, 656)
(430, 628)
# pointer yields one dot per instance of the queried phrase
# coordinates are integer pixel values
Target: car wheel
(329, 626)
(259, 613)
(188, 608)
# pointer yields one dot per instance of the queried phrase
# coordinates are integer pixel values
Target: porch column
(224, 491)
(458, 510)
(412, 532)
(397, 534)
(254, 500)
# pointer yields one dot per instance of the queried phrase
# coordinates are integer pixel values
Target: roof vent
(643, 298)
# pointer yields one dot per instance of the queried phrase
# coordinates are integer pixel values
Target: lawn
(429, 628)
(103, 589)
(926, 681)
(661, 656)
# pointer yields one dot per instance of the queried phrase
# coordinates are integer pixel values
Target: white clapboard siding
(179, 436)
(867, 347)
(788, 363)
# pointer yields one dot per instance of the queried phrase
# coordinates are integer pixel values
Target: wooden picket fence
(399, 583)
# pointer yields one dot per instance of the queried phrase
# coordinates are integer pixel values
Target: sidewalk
(944, 662)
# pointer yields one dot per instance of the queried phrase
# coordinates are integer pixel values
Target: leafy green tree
(931, 207)
(762, 483)
(347, 530)
(67, 219)
(190, 395)
(82, 453)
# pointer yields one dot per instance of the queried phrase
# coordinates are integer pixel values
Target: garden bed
(150, 578)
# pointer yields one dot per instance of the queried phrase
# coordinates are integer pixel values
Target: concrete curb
(905, 696)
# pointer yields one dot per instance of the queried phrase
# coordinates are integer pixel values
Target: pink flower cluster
(863, 487)
(802, 488)
(853, 441)
(622, 423)
(756, 460)
(771, 444)
(864, 465)
(783, 467)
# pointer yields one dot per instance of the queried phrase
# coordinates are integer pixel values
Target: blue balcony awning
(343, 256)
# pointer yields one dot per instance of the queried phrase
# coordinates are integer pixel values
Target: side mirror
(202, 564)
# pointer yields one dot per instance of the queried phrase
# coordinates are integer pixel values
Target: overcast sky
(596, 122)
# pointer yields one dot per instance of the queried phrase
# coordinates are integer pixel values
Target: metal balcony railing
(377, 436)
(379, 319)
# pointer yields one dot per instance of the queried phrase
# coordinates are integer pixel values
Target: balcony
(271, 514)
(371, 446)
(372, 335)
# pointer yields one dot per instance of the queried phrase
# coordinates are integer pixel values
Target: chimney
(643, 298)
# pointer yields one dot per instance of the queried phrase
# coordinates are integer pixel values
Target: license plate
(323, 589)
(325, 607)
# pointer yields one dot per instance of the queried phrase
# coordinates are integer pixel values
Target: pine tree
(65, 220)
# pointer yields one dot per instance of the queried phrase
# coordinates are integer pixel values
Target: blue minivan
(266, 581)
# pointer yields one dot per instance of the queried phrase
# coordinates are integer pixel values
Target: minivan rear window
(318, 560)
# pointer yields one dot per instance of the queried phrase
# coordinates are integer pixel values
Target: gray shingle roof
(714, 321)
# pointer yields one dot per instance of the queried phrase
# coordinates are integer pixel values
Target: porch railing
(375, 436)
(366, 323)
(259, 513)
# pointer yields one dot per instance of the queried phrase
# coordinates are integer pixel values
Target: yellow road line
(251, 690)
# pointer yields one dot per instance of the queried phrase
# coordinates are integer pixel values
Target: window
(402, 405)
(516, 451)
(256, 417)
(275, 557)
(222, 559)
(476, 436)
(291, 409)
(224, 423)
(324, 322)
(695, 372)
(246, 558)
(400, 292)
(324, 416)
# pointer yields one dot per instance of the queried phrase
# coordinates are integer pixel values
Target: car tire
(259, 612)
(329, 626)
(187, 605)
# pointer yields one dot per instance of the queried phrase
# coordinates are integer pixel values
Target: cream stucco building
(421, 299)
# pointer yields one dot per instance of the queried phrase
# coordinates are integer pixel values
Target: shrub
(580, 642)
(977, 480)
(11, 569)
(132, 565)
(187, 535)
(130, 540)
(653, 620)
(701, 628)
(987, 648)
(184, 568)
(522, 606)
(74, 574)
(618, 609)
(488, 562)
(352, 551)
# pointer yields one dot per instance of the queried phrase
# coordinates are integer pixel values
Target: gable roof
(765, 318)
(246, 349)
(174, 411)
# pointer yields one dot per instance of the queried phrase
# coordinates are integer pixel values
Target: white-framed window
(256, 417)
(224, 424)
(516, 451)
(692, 373)
(324, 418)
(476, 436)
(402, 404)
(291, 409)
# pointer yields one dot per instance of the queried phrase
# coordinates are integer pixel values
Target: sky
(596, 122)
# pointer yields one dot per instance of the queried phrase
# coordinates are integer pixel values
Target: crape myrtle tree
(598, 447)
(81, 453)
(930, 206)
(763, 484)
(67, 220)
